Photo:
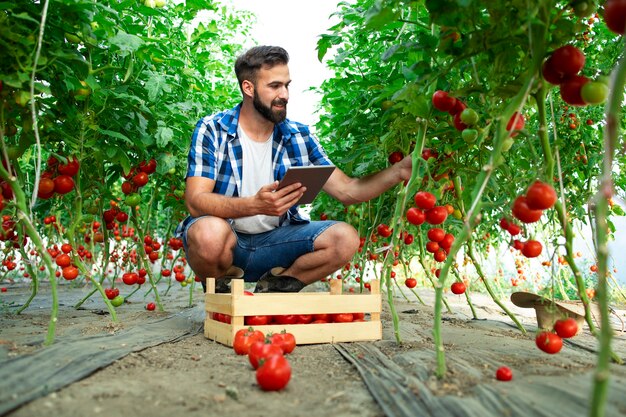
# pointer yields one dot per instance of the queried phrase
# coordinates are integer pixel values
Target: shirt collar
(230, 120)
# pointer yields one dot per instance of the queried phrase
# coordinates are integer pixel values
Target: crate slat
(238, 305)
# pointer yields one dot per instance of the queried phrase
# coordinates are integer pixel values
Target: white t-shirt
(256, 172)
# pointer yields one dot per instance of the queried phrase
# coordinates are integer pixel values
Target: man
(238, 220)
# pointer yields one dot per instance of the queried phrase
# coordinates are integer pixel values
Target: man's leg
(210, 243)
(326, 253)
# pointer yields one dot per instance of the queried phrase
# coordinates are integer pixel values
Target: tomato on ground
(274, 373)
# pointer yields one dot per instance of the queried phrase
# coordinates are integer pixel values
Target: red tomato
(342, 318)
(140, 179)
(244, 338)
(540, 196)
(358, 316)
(615, 15)
(432, 247)
(70, 272)
(150, 306)
(436, 234)
(383, 230)
(111, 293)
(457, 287)
(63, 260)
(458, 107)
(148, 167)
(256, 320)
(286, 319)
(410, 282)
(285, 340)
(567, 60)
(566, 328)
(415, 216)
(70, 169)
(550, 75)
(440, 255)
(504, 373)
(532, 249)
(63, 184)
(262, 350)
(274, 374)
(121, 217)
(130, 278)
(571, 90)
(408, 239)
(66, 248)
(395, 157)
(442, 101)
(321, 316)
(128, 187)
(425, 200)
(304, 318)
(549, 342)
(447, 241)
(436, 215)
(514, 229)
(516, 122)
(523, 213)
(46, 186)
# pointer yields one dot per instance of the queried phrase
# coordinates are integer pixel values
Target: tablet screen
(313, 177)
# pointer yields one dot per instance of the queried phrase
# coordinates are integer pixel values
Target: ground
(160, 363)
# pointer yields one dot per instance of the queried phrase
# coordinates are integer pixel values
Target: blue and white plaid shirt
(216, 154)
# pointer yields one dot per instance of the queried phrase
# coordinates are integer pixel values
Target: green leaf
(156, 85)
(126, 42)
(379, 15)
(164, 135)
(114, 134)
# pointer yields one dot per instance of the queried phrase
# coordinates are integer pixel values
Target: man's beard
(275, 116)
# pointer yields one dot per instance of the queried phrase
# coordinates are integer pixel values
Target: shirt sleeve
(201, 157)
(317, 154)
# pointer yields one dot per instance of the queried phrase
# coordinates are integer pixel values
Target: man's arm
(356, 190)
(201, 200)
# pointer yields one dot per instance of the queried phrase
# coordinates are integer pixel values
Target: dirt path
(194, 376)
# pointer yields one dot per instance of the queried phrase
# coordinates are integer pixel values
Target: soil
(190, 375)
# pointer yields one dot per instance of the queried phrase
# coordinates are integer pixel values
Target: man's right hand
(273, 202)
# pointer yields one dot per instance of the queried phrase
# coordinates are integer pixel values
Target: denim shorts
(258, 253)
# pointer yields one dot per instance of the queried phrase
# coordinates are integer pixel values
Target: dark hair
(249, 63)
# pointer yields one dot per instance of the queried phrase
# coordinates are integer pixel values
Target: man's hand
(273, 202)
(405, 166)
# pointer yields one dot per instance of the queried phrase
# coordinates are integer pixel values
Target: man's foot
(222, 284)
(273, 281)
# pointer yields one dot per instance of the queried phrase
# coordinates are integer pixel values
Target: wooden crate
(237, 305)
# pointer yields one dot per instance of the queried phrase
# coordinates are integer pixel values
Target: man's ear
(248, 88)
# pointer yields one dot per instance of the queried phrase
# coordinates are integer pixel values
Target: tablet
(313, 177)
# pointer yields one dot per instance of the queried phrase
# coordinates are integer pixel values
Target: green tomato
(594, 92)
(469, 135)
(507, 143)
(117, 301)
(584, 8)
(72, 38)
(469, 116)
(133, 200)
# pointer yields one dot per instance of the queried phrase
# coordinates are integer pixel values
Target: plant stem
(611, 140)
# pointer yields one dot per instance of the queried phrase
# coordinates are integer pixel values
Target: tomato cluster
(266, 355)
(58, 177)
(529, 208)
(439, 243)
(136, 178)
(562, 68)
(426, 210)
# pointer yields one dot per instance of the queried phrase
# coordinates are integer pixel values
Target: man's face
(271, 93)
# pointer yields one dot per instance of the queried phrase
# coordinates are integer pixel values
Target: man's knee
(210, 237)
(344, 240)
